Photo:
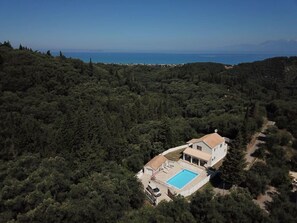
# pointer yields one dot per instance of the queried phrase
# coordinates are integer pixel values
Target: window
(221, 145)
(199, 147)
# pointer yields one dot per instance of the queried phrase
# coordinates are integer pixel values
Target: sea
(169, 58)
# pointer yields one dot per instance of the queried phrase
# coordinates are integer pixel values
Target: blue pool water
(182, 178)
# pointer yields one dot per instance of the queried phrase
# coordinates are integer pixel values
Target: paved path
(255, 143)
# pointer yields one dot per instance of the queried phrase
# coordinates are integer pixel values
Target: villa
(184, 169)
(206, 151)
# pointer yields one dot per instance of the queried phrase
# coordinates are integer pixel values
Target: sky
(146, 25)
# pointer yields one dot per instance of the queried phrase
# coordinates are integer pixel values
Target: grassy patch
(175, 156)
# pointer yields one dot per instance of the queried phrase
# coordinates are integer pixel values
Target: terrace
(175, 166)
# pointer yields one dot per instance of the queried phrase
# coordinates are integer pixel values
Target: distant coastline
(169, 58)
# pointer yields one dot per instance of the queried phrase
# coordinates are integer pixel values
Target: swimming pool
(182, 178)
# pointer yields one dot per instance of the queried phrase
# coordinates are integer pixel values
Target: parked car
(154, 190)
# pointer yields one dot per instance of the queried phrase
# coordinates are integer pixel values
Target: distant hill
(270, 46)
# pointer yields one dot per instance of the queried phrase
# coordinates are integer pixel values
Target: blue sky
(146, 25)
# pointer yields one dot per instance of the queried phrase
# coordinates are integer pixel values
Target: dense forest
(74, 134)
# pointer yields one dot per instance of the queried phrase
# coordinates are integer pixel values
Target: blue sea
(168, 58)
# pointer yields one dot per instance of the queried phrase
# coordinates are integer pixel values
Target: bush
(279, 177)
(294, 144)
(285, 138)
(256, 183)
(293, 162)
(259, 153)
(281, 122)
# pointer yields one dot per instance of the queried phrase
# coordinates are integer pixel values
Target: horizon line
(293, 52)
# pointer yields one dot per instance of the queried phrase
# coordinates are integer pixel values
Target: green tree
(7, 44)
(233, 166)
(48, 53)
(203, 207)
(61, 55)
(1, 60)
(255, 183)
(91, 68)
(239, 207)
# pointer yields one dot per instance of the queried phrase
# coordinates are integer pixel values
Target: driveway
(255, 143)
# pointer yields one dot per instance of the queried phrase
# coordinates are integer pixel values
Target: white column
(191, 159)
(183, 156)
(198, 162)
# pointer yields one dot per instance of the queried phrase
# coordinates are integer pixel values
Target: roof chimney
(215, 130)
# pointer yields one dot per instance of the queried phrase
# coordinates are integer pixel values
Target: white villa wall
(186, 193)
(139, 174)
(218, 153)
(205, 148)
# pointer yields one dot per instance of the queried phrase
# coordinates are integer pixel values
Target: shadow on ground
(217, 182)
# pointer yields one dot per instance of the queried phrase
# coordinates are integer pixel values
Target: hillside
(73, 134)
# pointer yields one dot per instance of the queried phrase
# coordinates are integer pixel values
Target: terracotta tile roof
(212, 140)
(197, 153)
(156, 162)
(192, 141)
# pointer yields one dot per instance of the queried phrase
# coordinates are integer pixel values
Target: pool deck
(163, 176)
